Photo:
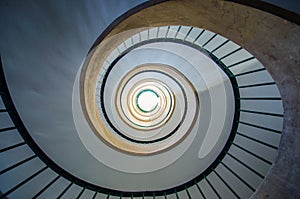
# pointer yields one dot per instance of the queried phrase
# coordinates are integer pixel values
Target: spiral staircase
(75, 117)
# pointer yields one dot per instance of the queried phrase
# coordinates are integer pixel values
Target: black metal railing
(217, 168)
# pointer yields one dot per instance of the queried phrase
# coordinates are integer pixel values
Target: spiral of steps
(171, 111)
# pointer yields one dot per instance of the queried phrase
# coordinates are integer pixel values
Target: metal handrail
(61, 173)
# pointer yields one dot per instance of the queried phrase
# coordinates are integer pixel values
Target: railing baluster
(227, 185)
(256, 140)
(157, 32)
(81, 192)
(240, 62)
(46, 187)
(222, 44)
(261, 113)
(260, 98)
(11, 147)
(236, 175)
(249, 72)
(177, 32)
(108, 196)
(95, 194)
(199, 36)
(209, 40)
(190, 30)
(177, 197)
(8, 129)
(257, 85)
(215, 191)
(140, 37)
(118, 50)
(260, 127)
(246, 150)
(65, 190)
(23, 182)
(187, 192)
(165, 195)
(242, 163)
(124, 43)
(167, 31)
(131, 39)
(232, 52)
(17, 164)
(199, 189)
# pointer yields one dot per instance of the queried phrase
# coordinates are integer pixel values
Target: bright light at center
(147, 100)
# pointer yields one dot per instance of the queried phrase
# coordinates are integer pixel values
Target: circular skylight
(147, 100)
